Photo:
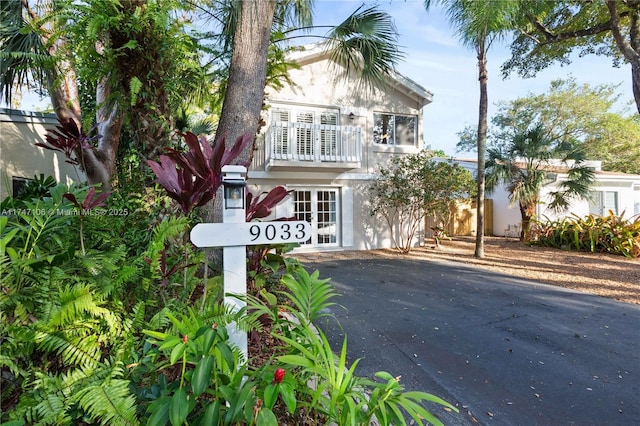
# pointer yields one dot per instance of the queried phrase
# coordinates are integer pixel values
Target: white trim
(346, 195)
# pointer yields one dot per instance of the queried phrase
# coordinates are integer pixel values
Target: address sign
(249, 233)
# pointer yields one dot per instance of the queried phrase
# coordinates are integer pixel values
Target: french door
(320, 208)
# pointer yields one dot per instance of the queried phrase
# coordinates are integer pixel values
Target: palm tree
(365, 42)
(138, 85)
(525, 166)
(479, 24)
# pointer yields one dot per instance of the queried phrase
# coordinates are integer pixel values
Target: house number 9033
(282, 231)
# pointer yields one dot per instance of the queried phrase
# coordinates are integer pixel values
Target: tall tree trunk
(63, 91)
(247, 73)
(482, 145)
(527, 212)
(629, 48)
(245, 88)
(109, 127)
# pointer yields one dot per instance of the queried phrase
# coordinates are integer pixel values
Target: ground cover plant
(611, 233)
(107, 317)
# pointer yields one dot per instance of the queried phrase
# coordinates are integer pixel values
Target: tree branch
(625, 47)
(551, 37)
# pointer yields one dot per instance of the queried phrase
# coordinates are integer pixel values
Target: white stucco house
(324, 139)
(618, 192)
(20, 159)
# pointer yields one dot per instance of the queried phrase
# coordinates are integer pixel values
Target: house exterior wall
(20, 158)
(624, 186)
(506, 216)
(318, 84)
(318, 87)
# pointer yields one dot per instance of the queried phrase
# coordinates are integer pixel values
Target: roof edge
(316, 51)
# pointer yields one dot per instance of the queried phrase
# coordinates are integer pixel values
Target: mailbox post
(234, 258)
(234, 234)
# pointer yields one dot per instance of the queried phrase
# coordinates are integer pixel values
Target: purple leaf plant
(68, 139)
(262, 206)
(90, 202)
(193, 177)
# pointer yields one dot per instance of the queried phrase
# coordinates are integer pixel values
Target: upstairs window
(300, 132)
(394, 129)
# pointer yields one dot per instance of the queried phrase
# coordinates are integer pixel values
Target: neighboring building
(324, 139)
(618, 192)
(20, 158)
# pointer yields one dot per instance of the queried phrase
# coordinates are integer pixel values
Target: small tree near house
(413, 186)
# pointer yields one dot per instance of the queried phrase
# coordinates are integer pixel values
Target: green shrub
(609, 234)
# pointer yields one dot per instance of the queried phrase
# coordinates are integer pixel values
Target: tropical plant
(324, 383)
(135, 56)
(525, 165)
(610, 234)
(479, 24)
(63, 335)
(91, 201)
(38, 187)
(193, 177)
(412, 187)
(199, 377)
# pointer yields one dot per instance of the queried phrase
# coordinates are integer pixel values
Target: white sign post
(234, 234)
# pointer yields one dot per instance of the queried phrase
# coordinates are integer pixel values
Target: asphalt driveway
(504, 350)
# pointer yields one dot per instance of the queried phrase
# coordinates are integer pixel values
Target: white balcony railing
(317, 143)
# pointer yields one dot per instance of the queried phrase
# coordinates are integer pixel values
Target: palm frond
(366, 44)
(479, 21)
(294, 13)
(22, 56)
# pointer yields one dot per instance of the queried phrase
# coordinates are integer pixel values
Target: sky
(436, 60)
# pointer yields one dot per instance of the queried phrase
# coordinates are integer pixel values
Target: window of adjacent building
(395, 129)
(603, 201)
(17, 183)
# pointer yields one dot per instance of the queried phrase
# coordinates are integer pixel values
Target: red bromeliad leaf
(177, 182)
(67, 139)
(193, 177)
(89, 201)
(69, 196)
(231, 154)
(197, 159)
(261, 207)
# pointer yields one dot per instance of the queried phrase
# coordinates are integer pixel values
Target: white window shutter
(347, 216)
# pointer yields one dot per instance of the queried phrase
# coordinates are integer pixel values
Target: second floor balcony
(292, 145)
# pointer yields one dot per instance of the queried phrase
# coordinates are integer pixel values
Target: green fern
(51, 410)
(109, 403)
(73, 351)
(74, 302)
